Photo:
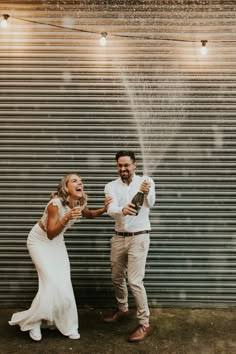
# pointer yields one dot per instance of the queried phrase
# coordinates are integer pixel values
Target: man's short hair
(125, 153)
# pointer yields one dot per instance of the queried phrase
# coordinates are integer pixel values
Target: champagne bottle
(138, 200)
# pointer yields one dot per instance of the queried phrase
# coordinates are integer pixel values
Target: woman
(54, 301)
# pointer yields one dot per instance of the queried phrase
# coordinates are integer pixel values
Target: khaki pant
(128, 258)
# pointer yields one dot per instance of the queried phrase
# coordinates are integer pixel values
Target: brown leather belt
(127, 234)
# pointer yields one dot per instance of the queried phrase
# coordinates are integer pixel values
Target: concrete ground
(176, 331)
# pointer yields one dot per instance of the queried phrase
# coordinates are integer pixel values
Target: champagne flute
(78, 206)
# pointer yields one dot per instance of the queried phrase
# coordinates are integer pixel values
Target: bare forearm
(91, 214)
(57, 228)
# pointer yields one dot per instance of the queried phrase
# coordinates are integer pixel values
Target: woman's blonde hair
(62, 191)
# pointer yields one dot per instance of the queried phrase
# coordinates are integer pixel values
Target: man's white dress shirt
(122, 194)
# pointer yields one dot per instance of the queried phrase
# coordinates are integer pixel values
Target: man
(130, 244)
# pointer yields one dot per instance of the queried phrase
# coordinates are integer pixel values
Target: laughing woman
(55, 301)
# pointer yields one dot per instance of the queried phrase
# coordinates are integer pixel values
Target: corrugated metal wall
(68, 104)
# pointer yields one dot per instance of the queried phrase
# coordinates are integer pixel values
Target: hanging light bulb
(4, 21)
(204, 48)
(103, 40)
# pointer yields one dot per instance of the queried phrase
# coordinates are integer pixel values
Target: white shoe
(74, 335)
(35, 334)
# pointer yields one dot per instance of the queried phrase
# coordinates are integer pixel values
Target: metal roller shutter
(68, 104)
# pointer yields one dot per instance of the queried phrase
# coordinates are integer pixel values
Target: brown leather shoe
(117, 316)
(140, 333)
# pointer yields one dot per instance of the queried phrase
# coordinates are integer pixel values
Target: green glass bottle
(138, 200)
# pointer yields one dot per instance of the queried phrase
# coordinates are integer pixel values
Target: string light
(103, 40)
(4, 21)
(204, 48)
(103, 35)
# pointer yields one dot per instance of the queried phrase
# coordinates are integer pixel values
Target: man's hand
(129, 210)
(145, 187)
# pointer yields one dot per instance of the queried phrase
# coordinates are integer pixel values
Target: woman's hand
(74, 213)
(107, 201)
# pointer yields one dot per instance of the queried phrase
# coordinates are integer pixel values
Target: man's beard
(126, 176)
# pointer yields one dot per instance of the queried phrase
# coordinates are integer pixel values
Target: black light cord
(5, 16)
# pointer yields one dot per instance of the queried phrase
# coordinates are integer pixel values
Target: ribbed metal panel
(68, 104)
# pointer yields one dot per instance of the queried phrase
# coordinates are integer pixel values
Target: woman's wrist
(63, 222)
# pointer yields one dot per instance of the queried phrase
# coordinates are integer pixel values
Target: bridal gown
(54, 301)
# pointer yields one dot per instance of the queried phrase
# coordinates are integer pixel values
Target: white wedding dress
(54, 301)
